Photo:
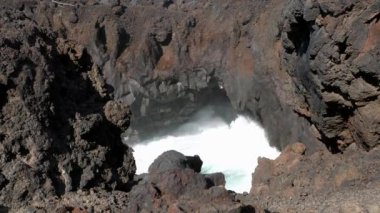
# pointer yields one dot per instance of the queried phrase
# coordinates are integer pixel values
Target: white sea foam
(232, 149)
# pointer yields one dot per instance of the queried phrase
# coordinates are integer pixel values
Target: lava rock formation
(75, 75)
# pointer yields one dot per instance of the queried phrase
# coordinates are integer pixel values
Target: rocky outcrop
(75, 75)
(174, 185)
(310, 63)
(55, 135)
(174, 160)
(326, 45)
(172, 188)
(167, 62)
(321, 182)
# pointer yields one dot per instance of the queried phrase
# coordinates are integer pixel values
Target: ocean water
(229, 148)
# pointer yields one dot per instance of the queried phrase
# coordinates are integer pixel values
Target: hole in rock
(300, 35)
(231, 148)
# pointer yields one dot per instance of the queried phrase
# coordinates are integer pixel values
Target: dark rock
(171, 160)
(322, 67)
(54, 135)
(216, 179)
(3, 181)
(194, 163)
(179, 181)
(4, 209)
(167, 161)
(174, 187)
(307, 71)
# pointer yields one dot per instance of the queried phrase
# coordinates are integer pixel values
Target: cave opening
(227, 141)
(300, 35)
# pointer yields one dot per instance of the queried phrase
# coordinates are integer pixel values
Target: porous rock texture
(320, 182)
(75, 75)
(55, 135)
(174, 185)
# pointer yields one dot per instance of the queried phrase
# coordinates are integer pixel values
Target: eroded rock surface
(75, 75)
(321, 182)
(173, 185)
(55, 136)
(176, 188)
(326, 46)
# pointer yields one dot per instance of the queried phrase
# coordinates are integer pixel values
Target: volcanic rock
(216, 179)
(171, 160)
(172, 186)
(74, 75)
(54, 135)
(305, 180)
(118, 113)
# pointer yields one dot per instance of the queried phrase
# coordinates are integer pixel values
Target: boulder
(118, 113)
(171, 160)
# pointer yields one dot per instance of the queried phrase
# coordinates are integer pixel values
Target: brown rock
(352, 208)
(78, 210)
(365, 125)
(298, 148)
(373, 208)
(360, 90)
(307, 70)
(118, 113)
(346, 173)
(216, 179)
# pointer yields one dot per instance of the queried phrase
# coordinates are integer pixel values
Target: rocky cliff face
(58, 134)
(168, 61)
(329, 51)
(77, 74)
